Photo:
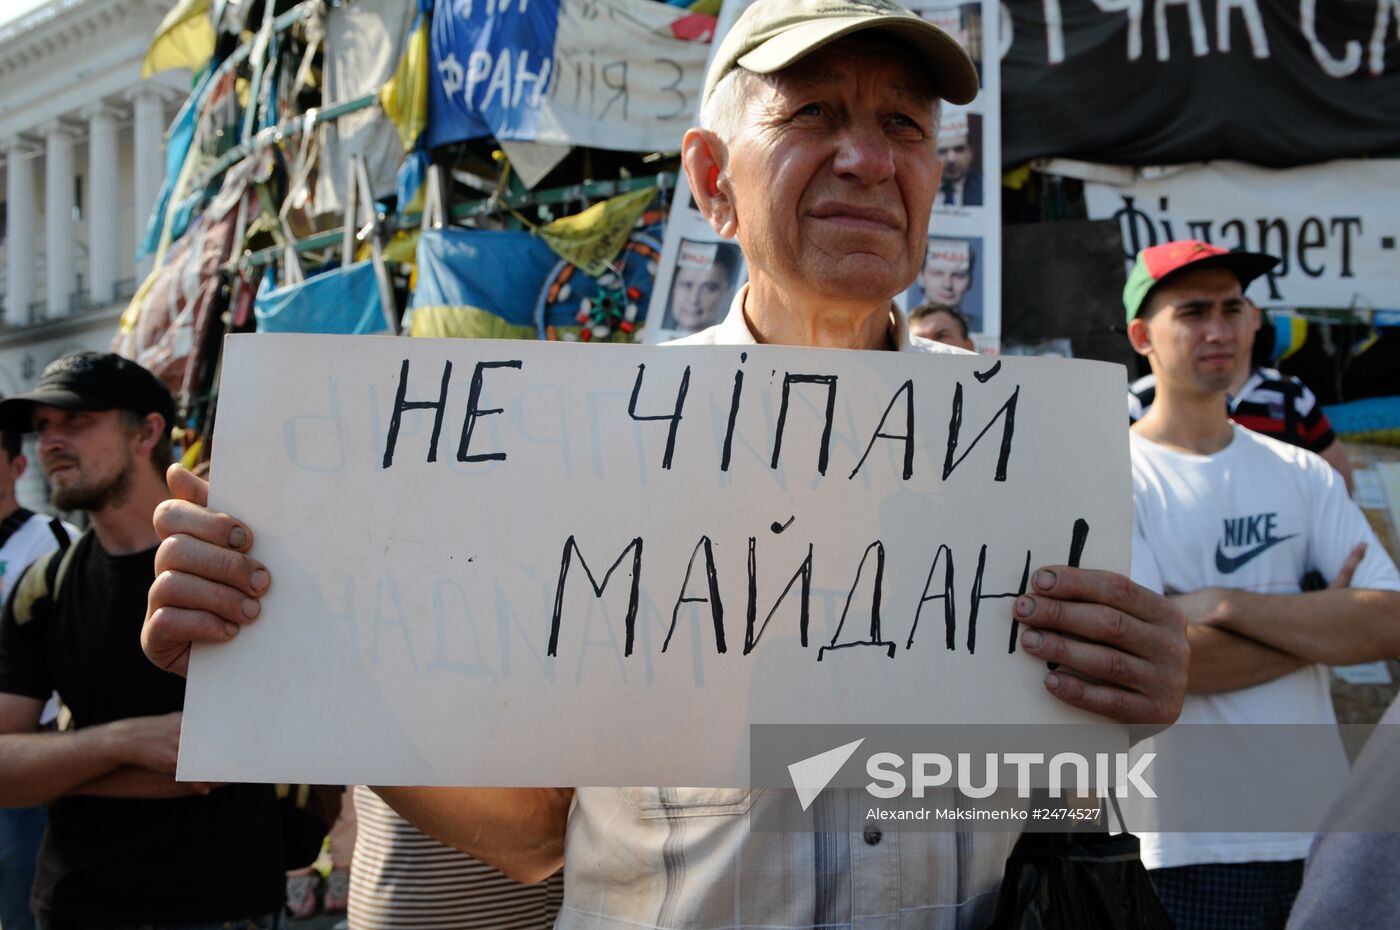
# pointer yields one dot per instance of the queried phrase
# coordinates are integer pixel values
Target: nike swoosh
(1230, 564)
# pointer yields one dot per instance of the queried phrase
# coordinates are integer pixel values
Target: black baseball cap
(90, 381)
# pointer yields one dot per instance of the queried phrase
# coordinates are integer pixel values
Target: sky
(14, 9)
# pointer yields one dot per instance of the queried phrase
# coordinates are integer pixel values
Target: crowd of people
(817, 154)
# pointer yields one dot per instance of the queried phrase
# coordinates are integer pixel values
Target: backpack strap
(59, 533)
(39, 586)
(60, 571)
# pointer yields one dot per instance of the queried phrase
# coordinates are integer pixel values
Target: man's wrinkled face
(87, 456)
(955, 152)
(1198, 329)
(833, 171)
(945, 280)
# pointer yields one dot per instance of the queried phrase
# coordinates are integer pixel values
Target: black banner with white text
(1272, 82)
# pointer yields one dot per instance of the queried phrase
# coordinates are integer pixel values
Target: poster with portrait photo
(966, 213)
(952, 275)
(960, 151)
(685, 226)
(963, 22)
(703, 282)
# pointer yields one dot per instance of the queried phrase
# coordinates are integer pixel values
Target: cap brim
(17, 413)
(1246, 265)
(954, 75)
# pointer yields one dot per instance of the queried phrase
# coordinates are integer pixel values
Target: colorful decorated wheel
(599, 307)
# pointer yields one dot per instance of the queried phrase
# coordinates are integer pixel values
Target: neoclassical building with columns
(82, 140)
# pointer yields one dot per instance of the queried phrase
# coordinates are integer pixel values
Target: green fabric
(591, 240)
(1139, 282)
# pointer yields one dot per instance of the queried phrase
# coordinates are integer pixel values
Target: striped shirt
(1270, 402)
(401, 879)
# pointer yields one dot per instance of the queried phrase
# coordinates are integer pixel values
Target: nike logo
(1229, 564)
(811, 775)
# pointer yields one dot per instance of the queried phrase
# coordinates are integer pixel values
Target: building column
(19, 233)
(103, 188)
(148, 106)
(58, 216)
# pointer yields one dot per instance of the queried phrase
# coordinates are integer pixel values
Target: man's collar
(734, 329)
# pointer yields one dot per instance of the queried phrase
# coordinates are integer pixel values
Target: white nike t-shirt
(1256, 516)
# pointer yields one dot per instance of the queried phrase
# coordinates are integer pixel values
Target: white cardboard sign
(779, 535)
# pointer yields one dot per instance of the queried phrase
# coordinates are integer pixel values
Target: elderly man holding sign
(817, 153)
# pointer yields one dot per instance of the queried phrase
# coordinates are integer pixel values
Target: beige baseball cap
(772, 34)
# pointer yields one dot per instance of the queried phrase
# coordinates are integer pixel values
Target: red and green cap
(1161, 263)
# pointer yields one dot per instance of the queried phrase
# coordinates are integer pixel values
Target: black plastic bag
(1078, 881)
(307, 813)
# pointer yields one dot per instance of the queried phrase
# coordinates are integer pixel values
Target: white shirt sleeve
(1338, 525)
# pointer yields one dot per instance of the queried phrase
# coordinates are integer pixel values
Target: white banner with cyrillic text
(1333, 226)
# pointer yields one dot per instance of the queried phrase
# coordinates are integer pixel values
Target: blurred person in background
(186, 854)
(940, 323)
(24, 537)
(1235, 520)
(1266, 401)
